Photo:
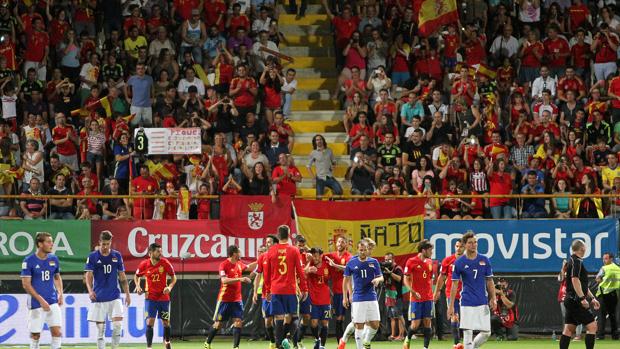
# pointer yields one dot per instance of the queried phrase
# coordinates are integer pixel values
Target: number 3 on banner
(282, 267)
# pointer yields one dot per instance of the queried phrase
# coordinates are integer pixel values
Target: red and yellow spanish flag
(395, 225)
(435, 13)
(185, 198)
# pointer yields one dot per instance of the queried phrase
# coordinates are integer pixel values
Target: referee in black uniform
(578, 299)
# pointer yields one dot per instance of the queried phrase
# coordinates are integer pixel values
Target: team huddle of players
(296, 292)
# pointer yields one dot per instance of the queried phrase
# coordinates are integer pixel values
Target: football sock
(359, 340)
(339, 329)
(56, 343)
(410, 332)
(34, 343)
(293, 328)
(279, 332)
(348, 331)
(100, 335)
(455, 332)
(236, 336)
(167, 336)
(369, 333)
(301, 332)
(315, 332)
(323, 335)
(270, 334)
(564, 342)
(117, 328)
(428, 334)
(468, 340)
(590, 340)
(211, 335)
(481, 338)
(149, 336)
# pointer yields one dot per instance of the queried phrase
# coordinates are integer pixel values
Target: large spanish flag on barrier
(435, 13)
(395, 225)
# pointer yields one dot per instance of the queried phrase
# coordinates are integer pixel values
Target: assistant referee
(577, 296)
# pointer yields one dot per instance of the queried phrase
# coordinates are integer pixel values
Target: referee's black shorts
(576, 314)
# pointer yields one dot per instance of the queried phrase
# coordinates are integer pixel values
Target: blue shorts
(282, 304)
(225, 311)
(398, 78)
(156, 309)
(267, 312)
(304, 307)
(420, 310)
(321, 312)
(457, 306)
(338, 308)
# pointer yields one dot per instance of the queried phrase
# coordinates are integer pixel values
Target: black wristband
(582, 298)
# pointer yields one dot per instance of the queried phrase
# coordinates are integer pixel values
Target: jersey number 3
(282, 267)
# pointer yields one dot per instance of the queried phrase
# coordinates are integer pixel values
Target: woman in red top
(450, 207)
(134, 19)
(272, 83)
(517, 105)
(58, 27)
(385, 124)
(357, 105)
(562, 171)
(500, 183)
(220, 160)
(573, 146)
(360, 128)
(204, 205)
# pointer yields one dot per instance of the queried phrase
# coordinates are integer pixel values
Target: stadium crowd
(516, 97)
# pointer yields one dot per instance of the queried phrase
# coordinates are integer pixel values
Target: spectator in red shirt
(531, 53)
(134, 20)
(65, 139)
(351, 86)
(556, 52)
(243, 90)
(182, 9)
(285, 132)
(237, 20)
(581, 55)
(344, 26)
(286, 176)
(360, 128)
(578, 15)
(37, 49)
(88, 208)
(604, 46)
(500, 183)
(571, 82)
(145, 185)
(614, 94)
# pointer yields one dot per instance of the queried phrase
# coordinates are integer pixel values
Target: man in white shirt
(505, 45)
(190, 80)
(289, 87)
(90, 72)
(263, 42)
(263, 21)
(543, 82)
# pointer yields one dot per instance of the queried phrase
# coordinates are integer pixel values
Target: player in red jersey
(337, 261)
(445, 278)
(283, 275)
(156, 271)
(318, 272)
(258, 283)
(229, 304)
(303, 313)
(419, 278)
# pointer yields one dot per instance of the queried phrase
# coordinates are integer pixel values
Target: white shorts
(38, 317)
(476, 318)
(362, 312)
(99, 310)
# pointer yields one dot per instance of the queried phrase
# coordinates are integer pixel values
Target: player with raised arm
(318, 273)
(41, 280)
(475, 272)
(258, 284)
(361, 276)
(156, 271)
(447, 266)
(229, 303)
(419, 279)
(104, 268)
(283, 275)
(576, 301)
(337, 260)
(350, 329)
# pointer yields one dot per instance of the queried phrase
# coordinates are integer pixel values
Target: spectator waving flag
(435, 13)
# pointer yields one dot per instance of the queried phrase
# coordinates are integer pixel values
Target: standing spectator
(500, 183)
(556, 51)
(33, 208)
(272, 82)
(288, 89)
(61, 208)
(533, 208)
(531, 53)
(286, 176)
(138, 93)
(323, 159)
(344, 26)
(393, 275)
(122, 155)
(32, 163)
(194, 34)
(377, 50)
(65, 139)
(96, 147)
(604, 46)
(274, 148)
(144, 185)
(37, 49)
(505, 45)
(285, 131)
(243, 90)
(257, 181)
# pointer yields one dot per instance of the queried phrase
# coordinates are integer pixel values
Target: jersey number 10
(107, 268)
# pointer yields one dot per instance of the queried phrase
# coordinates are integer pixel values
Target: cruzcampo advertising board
(71, 243)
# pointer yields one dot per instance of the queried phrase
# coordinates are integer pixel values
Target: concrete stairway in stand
(309, 41)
